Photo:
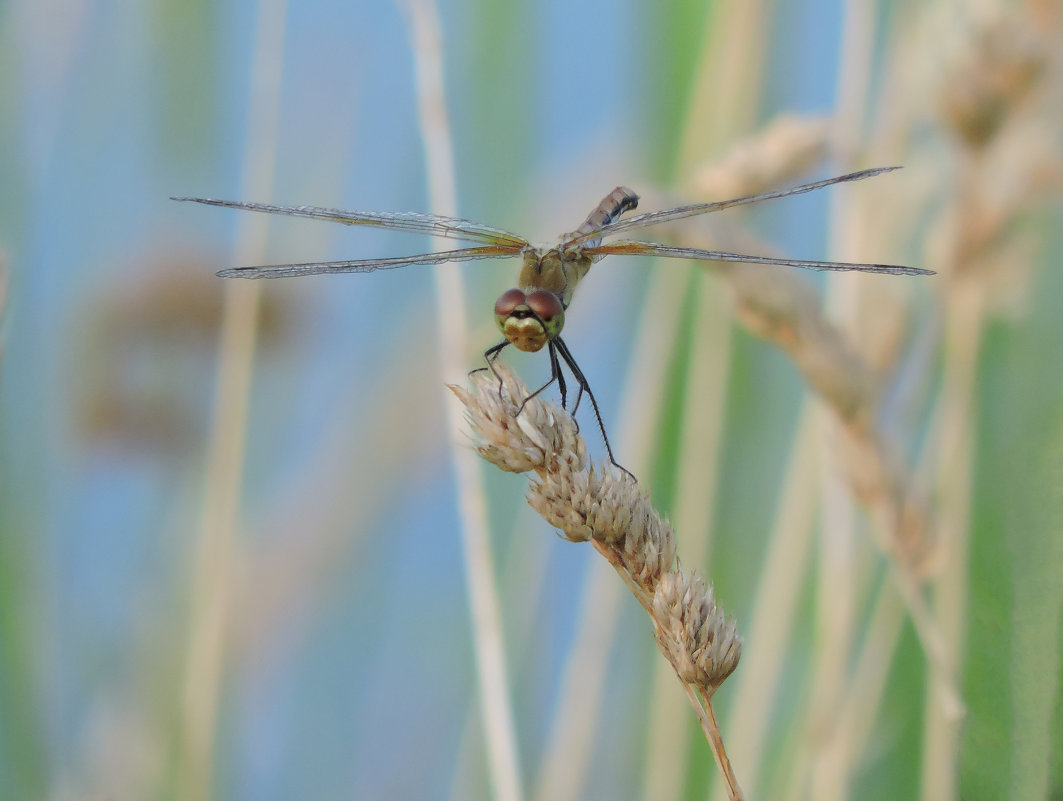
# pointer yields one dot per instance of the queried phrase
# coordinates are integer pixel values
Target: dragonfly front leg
(555, 375)
(491, 356)
(555, 370)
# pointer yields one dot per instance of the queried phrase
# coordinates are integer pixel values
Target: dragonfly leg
(555, 375)
(491, 356)
(581, 379)
(555, 365)
(555, 368)
(579, 397)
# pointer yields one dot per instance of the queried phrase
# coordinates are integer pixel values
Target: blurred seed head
(789, 146)
(145, 360)
(989, 75)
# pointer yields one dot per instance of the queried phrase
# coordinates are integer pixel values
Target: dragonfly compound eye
(546, 305)
(508, 303)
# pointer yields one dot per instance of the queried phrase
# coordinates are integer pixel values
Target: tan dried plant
(601, 505)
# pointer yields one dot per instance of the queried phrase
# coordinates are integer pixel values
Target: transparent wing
(682, 212)
(432, 224)
(628, 248)
(367, 265)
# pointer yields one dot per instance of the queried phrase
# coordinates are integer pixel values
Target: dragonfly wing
(630, 248)
(367, 265)
(414, 222)
(682, 212)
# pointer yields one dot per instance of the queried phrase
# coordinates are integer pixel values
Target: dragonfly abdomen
(620, 201)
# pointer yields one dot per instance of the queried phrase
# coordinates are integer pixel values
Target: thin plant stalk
(732, 41)
(867, 683)
(577, 705)
(216, 549)
(484, 607)
(837, 578)
(776, 601)
(941, 716)
(1008, 61)
(707, 718)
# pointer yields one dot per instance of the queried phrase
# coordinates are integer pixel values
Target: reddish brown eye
(546, 305)
(510, 300)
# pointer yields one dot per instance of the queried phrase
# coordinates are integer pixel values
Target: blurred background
(231, 552)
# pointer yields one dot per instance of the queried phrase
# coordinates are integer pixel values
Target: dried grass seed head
(538, 438)
(693, 634)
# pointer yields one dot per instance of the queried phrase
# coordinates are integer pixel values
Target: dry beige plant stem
(608, 509)
(783, 309)
(999, 100)
(492, 673)
(216, 550)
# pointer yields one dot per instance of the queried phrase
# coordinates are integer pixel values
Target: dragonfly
(531, 316)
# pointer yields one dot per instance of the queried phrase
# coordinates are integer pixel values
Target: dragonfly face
(529, 321)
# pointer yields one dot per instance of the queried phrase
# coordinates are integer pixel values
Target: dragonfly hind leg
(584, 386)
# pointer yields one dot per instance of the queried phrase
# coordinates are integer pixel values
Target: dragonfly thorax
(556, 269)
(529, 320)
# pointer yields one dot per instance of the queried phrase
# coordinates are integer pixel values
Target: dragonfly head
(529, 320)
